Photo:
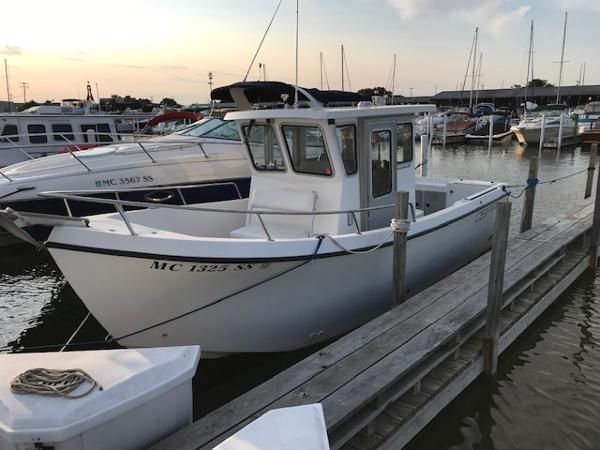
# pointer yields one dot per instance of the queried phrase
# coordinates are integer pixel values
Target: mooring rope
(58, 382)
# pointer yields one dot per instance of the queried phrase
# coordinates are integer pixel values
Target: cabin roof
(331, 113)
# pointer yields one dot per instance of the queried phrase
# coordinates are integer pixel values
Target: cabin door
(378, 172)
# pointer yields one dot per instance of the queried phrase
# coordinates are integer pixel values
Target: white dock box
(146, 395)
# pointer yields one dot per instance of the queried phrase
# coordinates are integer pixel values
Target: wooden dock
(382, 383)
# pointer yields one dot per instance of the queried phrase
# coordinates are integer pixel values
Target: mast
(7, 86)
(321, 63)
(393, 78)
(583, 78)
(473, 67)
(478, 78)
(529, 66)
(342, 67)
(296, 85)
(468, 65)
(562, 59)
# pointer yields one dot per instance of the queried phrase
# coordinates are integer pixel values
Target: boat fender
(158, 196)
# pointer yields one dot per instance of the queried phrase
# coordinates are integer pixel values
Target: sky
(156, 49)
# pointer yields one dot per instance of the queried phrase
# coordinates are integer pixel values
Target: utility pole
(24, 85)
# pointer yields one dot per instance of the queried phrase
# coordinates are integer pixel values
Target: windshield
(200, 128)
(264, 148)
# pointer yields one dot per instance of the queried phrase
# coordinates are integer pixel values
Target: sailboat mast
(296, 85)
(342, 67)
(562, 59)
(583, 77)
(478, 78)
(393, 78)
(529, 66)
(7, 86)
(473, 68)
(321, 64)
(467, 69)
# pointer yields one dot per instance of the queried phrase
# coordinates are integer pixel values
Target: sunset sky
(166, 48)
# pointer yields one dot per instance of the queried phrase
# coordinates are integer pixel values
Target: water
(547, 390)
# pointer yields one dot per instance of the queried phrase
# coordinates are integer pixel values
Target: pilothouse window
(404, 142)
(307, 151)
(37, 134)
(346, 137)
(263, 147)
(381, 156)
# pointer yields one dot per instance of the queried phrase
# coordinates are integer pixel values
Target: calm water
(548, 388)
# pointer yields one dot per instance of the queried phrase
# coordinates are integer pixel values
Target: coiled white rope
(59, 382)
(400, 225)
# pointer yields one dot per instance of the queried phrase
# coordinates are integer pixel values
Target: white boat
(145, 396)
(294, 428)
(306, 258)
(529, 129)
(588, 116)
(203, 162)
(49, 129)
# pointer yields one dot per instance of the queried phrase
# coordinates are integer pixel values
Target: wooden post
(595, 239)
(444, 131)
(400, 241)
(527, 216)
(425, 154)
(491, 131)
(560, 132)
(542, 132)
(591, 170)
(495, 288)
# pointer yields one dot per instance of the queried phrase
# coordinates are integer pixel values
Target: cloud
(11, 50)
(75, 59)
(571, 5)
(129, 66)
(187, 80)
(494, 16)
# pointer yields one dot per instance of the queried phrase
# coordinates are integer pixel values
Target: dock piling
(495, 288)
(542, 133)
(591, 170)
(444, 131)
(400, 241)
(491, 132)
(560, 131)
(425, 154)
(595, 238)
(528, 204)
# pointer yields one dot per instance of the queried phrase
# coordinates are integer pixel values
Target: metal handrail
(160, 145)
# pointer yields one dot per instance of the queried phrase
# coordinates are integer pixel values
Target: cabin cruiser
(500, 127)
(50, 129)
(529, 129)
(458, 125)
(589, 116)
(203, 162)
(307, 257)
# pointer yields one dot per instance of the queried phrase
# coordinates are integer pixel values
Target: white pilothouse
(306, 258)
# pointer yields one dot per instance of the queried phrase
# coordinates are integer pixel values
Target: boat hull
(532, 135)
(262, 304)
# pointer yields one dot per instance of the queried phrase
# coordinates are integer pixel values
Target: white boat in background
(306, 258)
(201, 163)
(529, 129)
(588, 117)
(145, 396)
(49, 129)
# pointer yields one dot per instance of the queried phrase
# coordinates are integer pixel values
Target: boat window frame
(13, 137)
(289, 153)
(390, 169)
(38, 137)
(218, 127)
(57, 135)
(411, 142)
(246, 129)
(353, 125)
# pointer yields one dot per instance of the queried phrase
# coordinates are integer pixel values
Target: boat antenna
(296, 83)
(10, 108)
(562, 59)
(462, 90)
(393, 78)
(262, 40)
